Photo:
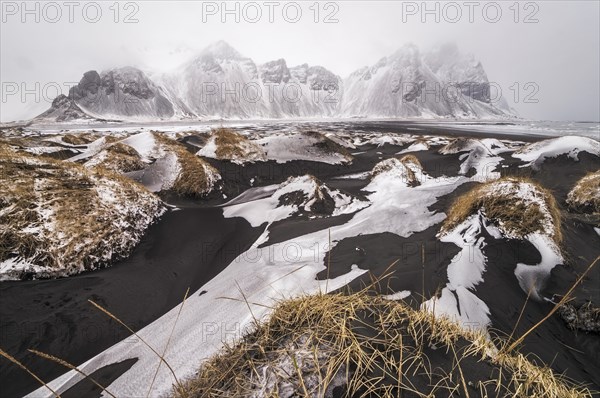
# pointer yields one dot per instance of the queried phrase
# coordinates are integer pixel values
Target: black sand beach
(190, 246)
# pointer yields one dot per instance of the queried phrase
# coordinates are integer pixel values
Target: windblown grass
(362, 345)
(585, 195)
(197, 177)
(502, 203)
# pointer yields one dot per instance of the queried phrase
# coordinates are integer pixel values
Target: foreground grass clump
(196, 176)
(60, 218)
(585, 195)
(518, 206)
(363, 345)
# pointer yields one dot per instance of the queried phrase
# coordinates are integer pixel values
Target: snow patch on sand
(458, 300)
(270, 209)
(287, 147)
(533, 277)
(480, 155)
(401, 295)
(415, 147)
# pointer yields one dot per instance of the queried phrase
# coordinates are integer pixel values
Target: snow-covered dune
(480, 155)
(226, 144)
(304, 195)
(311, 146)
(153, 159)
(537, 152)
(509, 208)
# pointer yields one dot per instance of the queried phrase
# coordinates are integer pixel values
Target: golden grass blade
(98, 306)
(299, 372)
(328, 262)
(168, 340)
(19, 364)
(521, 313)
(247, 303)
(241, 300)
(462, 376)
(384, 275)
(564, 299)
(69, 366)
(423, 273)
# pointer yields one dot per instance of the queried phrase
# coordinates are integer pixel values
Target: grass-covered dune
(363, 345)
(585, 195)
(518, 206)
(195, 176)
(60, 218)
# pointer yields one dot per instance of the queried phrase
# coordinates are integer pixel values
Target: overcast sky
(558, 50)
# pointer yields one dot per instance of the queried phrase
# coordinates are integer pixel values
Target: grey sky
(560, 53)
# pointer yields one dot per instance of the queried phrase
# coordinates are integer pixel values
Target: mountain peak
(221, 50)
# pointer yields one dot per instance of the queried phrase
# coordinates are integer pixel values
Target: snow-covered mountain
(222, 83)
(440, 83)
(120, 93)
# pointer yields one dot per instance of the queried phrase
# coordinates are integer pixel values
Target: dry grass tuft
(411, 160)
(500, 202)
(413, 166)
(363, 345)
(62, 218)
(197, 177)
(456, 145)
(80, 138)
(118, 157)
(585, 195)
(407, 168)
(232, 145)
